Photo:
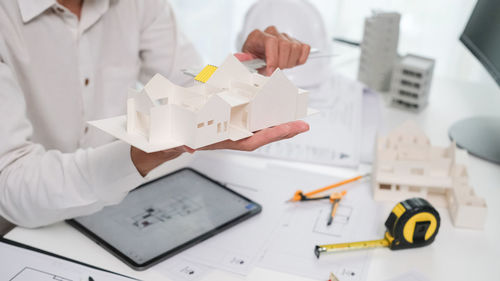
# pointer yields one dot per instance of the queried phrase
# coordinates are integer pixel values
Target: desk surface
(457, 254)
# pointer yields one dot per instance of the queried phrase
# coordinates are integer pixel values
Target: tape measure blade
(352, 246)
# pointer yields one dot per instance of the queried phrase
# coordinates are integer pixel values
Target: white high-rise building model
(379, 50)
(411, 82)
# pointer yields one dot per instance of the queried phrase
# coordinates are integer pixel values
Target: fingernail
(305, 127)
(270, 70)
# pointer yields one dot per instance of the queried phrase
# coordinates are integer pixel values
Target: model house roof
(408, 134)
(233, 99)
(229, 71)
(232, 82)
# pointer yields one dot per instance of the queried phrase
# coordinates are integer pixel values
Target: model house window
(412, 73)
(417, 171)
(225, 126)
(408, 94)
(414, 189)
(210, 122)
(410, 84)
(385, 186)
(163, 101)
(387, 169)
(218, 127)
(200, 125)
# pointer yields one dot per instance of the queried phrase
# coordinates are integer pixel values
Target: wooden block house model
(407, 165)
(379, 50)
(232, 104)
(411, 82)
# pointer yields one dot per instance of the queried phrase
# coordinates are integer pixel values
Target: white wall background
(428, 27)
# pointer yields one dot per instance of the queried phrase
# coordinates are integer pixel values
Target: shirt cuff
(112, 172)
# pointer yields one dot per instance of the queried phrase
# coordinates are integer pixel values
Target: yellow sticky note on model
(205, 73)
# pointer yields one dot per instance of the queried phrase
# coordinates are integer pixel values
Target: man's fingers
(284, 47)
(305, 50)
(271, 51)
(295, 53)
(296, 50)
(273, 134)
(278, 49)
(262, 137)
(244, 56)
(272, 30)
(284, 53)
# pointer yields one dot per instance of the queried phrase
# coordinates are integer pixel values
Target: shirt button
(86, 81)
(86, 130)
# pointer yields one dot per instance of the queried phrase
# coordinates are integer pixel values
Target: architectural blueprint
(30, 274)
(282, 238)
(335, 132)
(19, 264)
(304, 225)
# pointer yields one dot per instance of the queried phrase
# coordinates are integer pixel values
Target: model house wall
(212, 123)
(271, 95)
(407, 165)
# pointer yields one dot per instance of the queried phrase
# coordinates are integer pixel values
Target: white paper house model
(232, 104)
(407, 165)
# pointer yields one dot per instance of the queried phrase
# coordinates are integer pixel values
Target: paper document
(180, 269)
(371, 123)
(304, 225)
(283, 236)
(19, 264)
(410, 276)
(335, 132)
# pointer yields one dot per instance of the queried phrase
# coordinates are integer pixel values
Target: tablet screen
(166, 214)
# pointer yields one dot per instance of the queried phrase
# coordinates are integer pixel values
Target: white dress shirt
(57, 73)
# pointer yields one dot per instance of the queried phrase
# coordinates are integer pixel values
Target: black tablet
(164, 217)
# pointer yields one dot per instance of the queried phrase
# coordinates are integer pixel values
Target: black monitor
(480, 136)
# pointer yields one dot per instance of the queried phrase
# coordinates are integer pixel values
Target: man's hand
(278, 49)
(145, 162)
(262, 137)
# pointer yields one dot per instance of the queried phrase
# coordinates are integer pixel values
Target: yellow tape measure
(412, 223)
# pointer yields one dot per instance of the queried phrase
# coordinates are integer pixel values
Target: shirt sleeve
(163, 47)
(39, 186)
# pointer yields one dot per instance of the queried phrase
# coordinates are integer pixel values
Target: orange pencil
(299, 196)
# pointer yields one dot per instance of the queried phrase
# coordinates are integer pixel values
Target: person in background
(65, 62)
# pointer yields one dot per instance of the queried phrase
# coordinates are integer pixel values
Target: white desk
(457, 254)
